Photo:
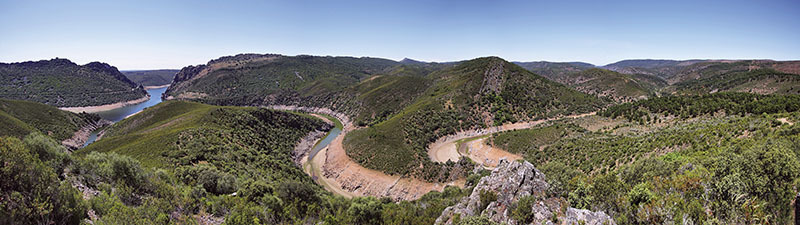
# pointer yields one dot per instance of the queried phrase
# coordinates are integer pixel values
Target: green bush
(486, 198)
(32, 190)
(640, 194)
(523, 210)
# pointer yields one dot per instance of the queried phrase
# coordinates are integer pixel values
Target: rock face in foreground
(510, 182)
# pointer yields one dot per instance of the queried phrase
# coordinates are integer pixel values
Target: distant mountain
(151, 77)
(660, 68)
(62, 83)
(609, 84)
(407, 61)
(710, 76)
(752, 76)
(273, 79)
(555, 70)
(603, 83)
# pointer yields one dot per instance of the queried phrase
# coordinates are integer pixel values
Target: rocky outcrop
(493, 78)
(305, 145)
(509, 182)
(81, 136)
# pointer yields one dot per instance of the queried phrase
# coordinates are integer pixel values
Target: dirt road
(446, 148)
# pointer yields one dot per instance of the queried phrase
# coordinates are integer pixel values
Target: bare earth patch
(445, 148)
(100, 108)
(486, 155)
(357, 180)
(786, 121)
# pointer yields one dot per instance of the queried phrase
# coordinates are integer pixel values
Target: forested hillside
(184, 162)
(476, 93)
(62, 83)
(275, 79)
(612, 85)
(555, 71)
(151, 77)
(20, 118)
(725, 158)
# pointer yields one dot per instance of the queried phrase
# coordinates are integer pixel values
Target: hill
(274, 79)
(20, 118)
(599, 82)
(687, 157)
(367, 89)
(200, 162)
(62, 83)
(760, 81)
(555, 71)
(151, 77)
(609, 84)
(655, 67)
(149, 135)
(475, 93)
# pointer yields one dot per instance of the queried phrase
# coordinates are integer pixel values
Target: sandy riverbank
(445, 148)
(155, 87)
(338, 173)
(487, 155)
(100, 108)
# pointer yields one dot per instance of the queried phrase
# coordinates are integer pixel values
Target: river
(115, 115)
(324, 142)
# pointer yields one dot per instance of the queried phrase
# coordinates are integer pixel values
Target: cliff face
(510, 182)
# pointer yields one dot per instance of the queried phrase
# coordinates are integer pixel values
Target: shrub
(486, 198)
(640, 194)
(523, 210)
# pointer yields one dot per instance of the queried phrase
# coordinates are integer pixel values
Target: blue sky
(172, 34)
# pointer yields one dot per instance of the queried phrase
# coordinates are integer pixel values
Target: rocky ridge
(510, 182)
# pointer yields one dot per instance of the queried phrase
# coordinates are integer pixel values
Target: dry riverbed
(100, 108)
(447, 148)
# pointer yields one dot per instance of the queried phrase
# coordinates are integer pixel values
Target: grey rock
(511, 181)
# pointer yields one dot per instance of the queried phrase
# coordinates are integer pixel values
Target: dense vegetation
(383, 96)
(526, 140)
(230, 164)
(62, 83)
(739, 167)
(721, 158)
(475, 93)
(555, 71)
(612, 85)
(761, 81)
(661, 68)
(20, 118)
(407, 105)
(31, 191)
(693, 106)
(151, 77)
(249, 79)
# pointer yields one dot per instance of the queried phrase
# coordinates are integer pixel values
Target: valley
(284, 139)
(399, 112)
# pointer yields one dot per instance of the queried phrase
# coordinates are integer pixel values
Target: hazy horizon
(145, 35)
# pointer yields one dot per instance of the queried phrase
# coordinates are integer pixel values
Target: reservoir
(115, 115)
